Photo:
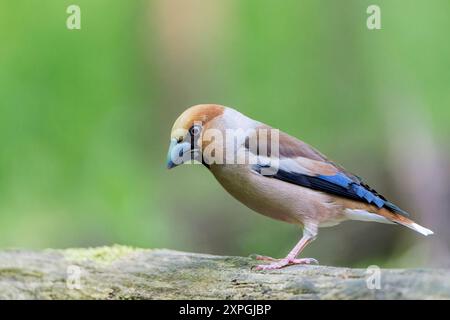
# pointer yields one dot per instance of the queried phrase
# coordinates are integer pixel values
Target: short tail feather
(400, 218)
(386, 216)
(414, 226)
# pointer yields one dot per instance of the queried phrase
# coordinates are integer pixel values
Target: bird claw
(281, 263)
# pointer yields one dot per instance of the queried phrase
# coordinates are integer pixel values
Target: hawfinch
(277, 175)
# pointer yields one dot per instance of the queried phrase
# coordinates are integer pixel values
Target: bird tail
(385, 215)
(413, 226)
(404, 221)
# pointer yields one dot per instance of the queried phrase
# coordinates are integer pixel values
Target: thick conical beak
(170, 163)
(177, 152)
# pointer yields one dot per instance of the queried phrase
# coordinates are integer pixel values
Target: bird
(277, 175)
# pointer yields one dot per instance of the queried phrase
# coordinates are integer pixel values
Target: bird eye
(195, 130)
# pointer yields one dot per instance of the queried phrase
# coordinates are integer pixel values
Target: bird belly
(278, 199)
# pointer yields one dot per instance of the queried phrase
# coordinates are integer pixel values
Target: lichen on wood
(120, 272)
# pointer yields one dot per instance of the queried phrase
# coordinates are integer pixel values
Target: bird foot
(281, 263)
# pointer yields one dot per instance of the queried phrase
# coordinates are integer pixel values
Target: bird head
(186, 135)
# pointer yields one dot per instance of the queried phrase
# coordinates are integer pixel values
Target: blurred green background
(85, 118)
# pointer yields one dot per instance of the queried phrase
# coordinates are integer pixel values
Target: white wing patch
(291, 165)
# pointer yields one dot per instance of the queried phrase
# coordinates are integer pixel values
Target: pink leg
(291, 258)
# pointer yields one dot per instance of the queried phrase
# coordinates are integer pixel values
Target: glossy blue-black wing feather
(339, 184)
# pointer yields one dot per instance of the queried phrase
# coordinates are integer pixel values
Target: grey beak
(170, 163)
(177, 153)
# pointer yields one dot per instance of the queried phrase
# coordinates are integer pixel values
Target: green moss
(17, 272)
(100, 255)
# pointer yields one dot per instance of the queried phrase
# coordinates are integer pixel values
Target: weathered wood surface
(120, 272)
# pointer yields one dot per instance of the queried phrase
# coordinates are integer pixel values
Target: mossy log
(120, 272)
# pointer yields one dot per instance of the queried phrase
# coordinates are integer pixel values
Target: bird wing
(301, 164)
